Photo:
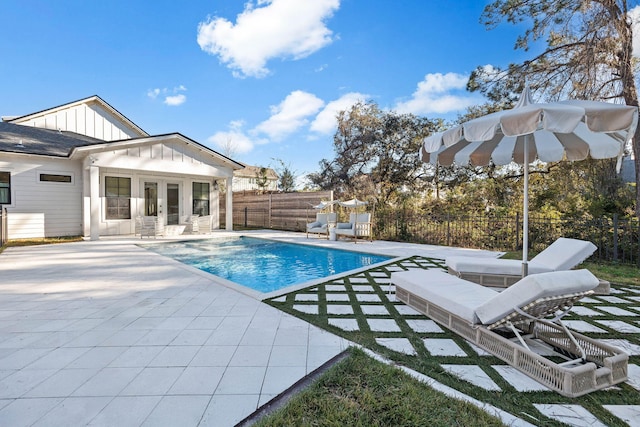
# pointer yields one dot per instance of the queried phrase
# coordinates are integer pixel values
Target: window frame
(196, 204)
(55, 174)
(122, 201)
(7, 201)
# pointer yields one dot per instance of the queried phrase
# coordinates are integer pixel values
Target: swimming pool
(264, 265)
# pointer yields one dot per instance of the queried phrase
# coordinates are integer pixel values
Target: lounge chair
(503, 322)
(322, 224)
(359, 226)
(563, 254)
(205, 224)
(190, 223)
(151, 226)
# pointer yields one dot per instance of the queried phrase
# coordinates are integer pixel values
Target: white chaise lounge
(503, 322)
(563, 254)
(322, 224)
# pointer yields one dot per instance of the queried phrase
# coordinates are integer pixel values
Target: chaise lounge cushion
(479, 304)
(448, 292)
(487, 265)
(563, 254)
(534, 287)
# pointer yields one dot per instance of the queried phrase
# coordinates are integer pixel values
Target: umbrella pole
(525, 211)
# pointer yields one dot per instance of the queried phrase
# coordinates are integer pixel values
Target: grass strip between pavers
(369, 291)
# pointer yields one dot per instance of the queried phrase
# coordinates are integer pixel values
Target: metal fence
(4, 231)
(617, 239)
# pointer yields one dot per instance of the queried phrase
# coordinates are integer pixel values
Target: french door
(162, 199)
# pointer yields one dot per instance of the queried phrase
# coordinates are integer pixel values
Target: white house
(85, 169)
(246, 179)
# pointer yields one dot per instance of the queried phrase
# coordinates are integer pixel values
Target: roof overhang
(81, 152)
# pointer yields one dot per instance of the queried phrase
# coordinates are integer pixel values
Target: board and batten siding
(86, 119)
(167, 156)
(44, 209)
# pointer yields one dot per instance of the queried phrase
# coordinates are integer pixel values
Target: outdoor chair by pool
(359, 226)
(507, 323)
(322, 224)
(563, 254)
(151, 226)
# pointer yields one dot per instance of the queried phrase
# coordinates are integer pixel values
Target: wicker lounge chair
(321, 225)
(359, 226)
(502, 323)
(563, 254)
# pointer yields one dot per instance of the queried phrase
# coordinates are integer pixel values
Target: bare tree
(228, 148)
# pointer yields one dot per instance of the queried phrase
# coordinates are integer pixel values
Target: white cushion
(344, 226)
(488, 265)
(314, 224)
(564, 254)
(457, 296)
(534, 287)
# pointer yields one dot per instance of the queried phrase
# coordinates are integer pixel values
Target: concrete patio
(108, 333)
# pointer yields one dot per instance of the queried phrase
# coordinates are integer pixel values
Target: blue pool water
(264, 265)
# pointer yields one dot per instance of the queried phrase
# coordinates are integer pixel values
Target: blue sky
(266, 76)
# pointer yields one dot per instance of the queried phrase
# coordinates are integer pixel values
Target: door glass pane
(151, 199)
(173, 204)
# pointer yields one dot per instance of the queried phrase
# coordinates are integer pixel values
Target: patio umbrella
(353, 203)
(325, 204)
(550, 132)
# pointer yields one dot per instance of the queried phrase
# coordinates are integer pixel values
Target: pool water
(264, 265)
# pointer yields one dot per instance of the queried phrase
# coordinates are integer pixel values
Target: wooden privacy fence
(280, 211)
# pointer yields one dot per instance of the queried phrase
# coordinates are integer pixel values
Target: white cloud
(325, 122)
(174, 100)
(290, 115)
(172, 97)
(153, 93)
(265, 30)
(439, 93)
(235, 140)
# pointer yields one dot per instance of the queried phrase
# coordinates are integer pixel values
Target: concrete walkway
(108, 333)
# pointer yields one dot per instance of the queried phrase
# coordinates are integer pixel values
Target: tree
(286, 176)
(375, 154)
(229, 148)
(588, 54)
(262, 178)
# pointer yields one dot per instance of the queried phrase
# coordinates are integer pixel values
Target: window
(5, 188)
(49, 177)
(118, 195)
(200, 198)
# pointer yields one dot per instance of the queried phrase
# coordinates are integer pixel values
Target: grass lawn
(620, 274)
(361, 391)
(41, 241)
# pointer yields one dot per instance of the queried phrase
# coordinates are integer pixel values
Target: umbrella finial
(525, 97)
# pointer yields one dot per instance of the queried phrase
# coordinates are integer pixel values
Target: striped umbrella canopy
(550, 132)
